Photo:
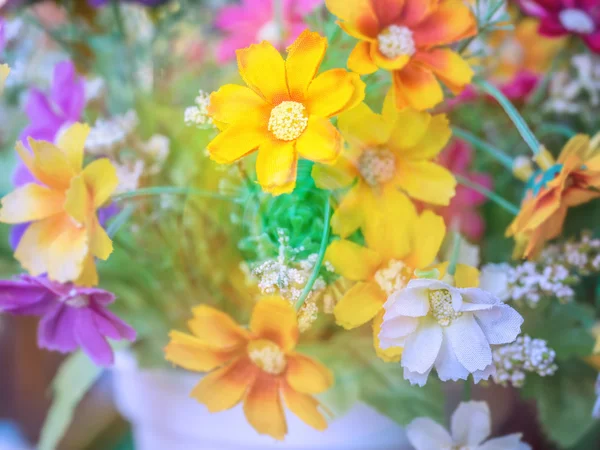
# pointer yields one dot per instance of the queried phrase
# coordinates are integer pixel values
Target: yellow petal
(28, 252)
(307, 375)
(224, 388)
(233, 103)
(320, 142)
(101, 179)
(435, 137)
(360, 60)
(78, 202)
(466, 276)
(392, 354)
(50, 164)
(4, 71)
(216, 328)
(276, 165)
(29, 203)
(305, 407)
(427, 237)
(192, 354)
(66, 254)
(336, 176)
(410, 127)
(330, 92)
(352, 261)
(358, 15)
(303, 61)
(235, 142)
(262, 407)
(274, 319)
(89, 275)
(100, 243)
(359, 305)
(416, 87)
(386, 63)
(426, 181)
(263, 69)
(362, 127)
(72, 142)
(349, 215)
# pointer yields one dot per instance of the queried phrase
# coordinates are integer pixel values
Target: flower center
(576, 21)
(270, 31)
(440, 301)
(288, 120)
(75, 300)
(377, 166)
(267, 356)
(395, 41)
(393, 277)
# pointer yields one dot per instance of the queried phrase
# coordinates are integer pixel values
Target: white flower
(494, 278)
(446, 327)
(470, 427)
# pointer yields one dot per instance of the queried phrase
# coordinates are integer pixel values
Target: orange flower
(255, 366)
(284, 112)
(407, 37)
(573, 180)
(64, 235)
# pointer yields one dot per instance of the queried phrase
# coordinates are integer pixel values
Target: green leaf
(74, 379)
(564, 402)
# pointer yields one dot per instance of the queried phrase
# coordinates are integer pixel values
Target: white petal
(447, 366)
(384, 343)
(398, 327)
(471, 423)
(469, 343)
(500, 328)
(428, 283)
(475, 299)
(412, 302)
(422, 347)
(510, 442)
(484, 374)
(494, 279)
(419, 379)
(425, 434)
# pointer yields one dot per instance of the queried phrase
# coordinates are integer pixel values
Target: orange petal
(305, 407)
(417, 87)
(224, 388)
(387, 11)
(192, 354)
(360, 60)
(263, 409)
(101, 180)
(216, 328)
(415, 11)
(330, 93)
(274, 319)
(307, 375)
(235, 142)
(358, 15)
(448, 66)
(450, 22)
(303, 61)
(263, 69)
(320, 142)
(276, 166)
(29, 203)
(351, 260)
(359, 305)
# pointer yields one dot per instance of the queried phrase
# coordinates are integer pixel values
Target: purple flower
(72, 317)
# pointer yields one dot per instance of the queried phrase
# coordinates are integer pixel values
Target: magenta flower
(72, 317)
(254, 21)
(463, 207)
(561, 17)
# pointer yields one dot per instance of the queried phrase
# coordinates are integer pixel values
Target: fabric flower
(64, 235)
(561, 17)
(572, 180)
(72, 317)
(386, 153)
(446, 327)
(284, 112)
(256, 366)
(254, 21)
(409, 39)
(463, 207)
(470, 427)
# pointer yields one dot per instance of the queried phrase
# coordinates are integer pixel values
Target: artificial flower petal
(101, 180)
(263, 409)
(330, 92)
(303, 61)
(417, 87)
(321, 142)
(351, 260)
(216, 328)
(72, 141)
(360, 60)
(306, 375)
(274, 319)
(30, 202)
(235, 142)
(426, 181)
(276, 165)
(359, 305)
(305, 407)
(192, 354)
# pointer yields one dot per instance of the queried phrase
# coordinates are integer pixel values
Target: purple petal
(107, 212)
(110, 325)
(40, 111)
(68, 91)
(91, 340)
(17, 296)
(16, 233)
(55, 331)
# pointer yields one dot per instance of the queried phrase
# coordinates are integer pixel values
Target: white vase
(164, 417)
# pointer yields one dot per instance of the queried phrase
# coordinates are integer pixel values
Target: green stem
(514, 115)
(494, 152)
(556, 128)
(315, 273)
(171, 190)
(120, 219)
(467, 390)
(500, 201)
(455, 252)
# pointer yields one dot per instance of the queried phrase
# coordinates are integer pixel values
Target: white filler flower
(446, 327)
(470, 427)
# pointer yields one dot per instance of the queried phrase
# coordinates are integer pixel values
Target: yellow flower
(255, 366)
(398, 243)
(386, 153)
(4, 71)
(64, 235)
(284, 112)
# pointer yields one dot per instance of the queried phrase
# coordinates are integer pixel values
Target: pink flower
(255, 21)
(561, 17)
(463, 207)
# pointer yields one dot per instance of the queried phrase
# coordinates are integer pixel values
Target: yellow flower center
(267, 356)
(394, 276)
(440, 301)
(395, 41)
(288, 120)
(377, 166)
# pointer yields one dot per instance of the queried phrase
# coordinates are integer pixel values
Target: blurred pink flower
(254, 21)
(457, 158)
